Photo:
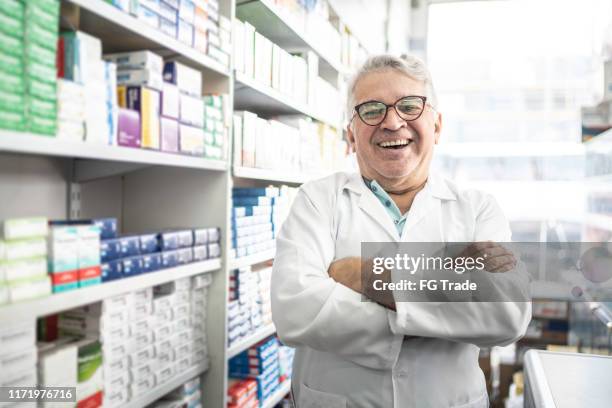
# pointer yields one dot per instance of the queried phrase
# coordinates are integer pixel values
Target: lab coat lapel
(372, 207)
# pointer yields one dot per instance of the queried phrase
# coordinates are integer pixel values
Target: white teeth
(394, 143)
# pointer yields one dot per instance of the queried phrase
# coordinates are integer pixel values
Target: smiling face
(396, 153)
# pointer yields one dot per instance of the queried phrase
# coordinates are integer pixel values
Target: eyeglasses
(408, 108)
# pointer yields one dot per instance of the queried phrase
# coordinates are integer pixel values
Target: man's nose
(392, 121)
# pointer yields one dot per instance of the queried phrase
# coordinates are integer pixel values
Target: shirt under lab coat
(351, 353)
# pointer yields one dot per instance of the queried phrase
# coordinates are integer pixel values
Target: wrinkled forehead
(386, 86)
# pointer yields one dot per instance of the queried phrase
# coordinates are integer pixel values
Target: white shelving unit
(272, 24)
(150, 190)
(251, 95)
(278, 396)
(272, 175)
(247, 342)
(45, 306)
(121, 31)
(251, 259)
(166, 387)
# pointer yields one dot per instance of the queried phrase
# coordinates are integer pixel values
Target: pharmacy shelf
(270, 22)
(166, 387)
(278, 396)
(501, 149)
(121, 31)
(244, 344)
(45, 306)
(251, 95)
(272, 175)
(251, 259)
(599, 221)
(124, 159)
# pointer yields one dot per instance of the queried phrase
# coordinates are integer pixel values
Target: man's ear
(437, 127)
(350, 136)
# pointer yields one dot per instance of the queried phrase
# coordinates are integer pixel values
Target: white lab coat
(358, 354)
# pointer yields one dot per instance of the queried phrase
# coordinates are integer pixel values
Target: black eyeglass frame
(394, 106)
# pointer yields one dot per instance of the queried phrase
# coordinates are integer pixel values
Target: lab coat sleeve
(309, 308)
(484, 324)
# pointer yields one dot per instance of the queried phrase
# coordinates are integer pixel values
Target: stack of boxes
(54, 358)
(196, 23)
(245, 314)
(215, 130)
(40, 44)
(18, 355)
(74, 255)
(138, 341)
(79, 59)
(191, 107)
(259, 362)
(242, 394)
(23, 262)
(257, 216)
(70, 111)
(289, 143)
(188, 395)
(139, 76)
(127, 256)
(28, 41)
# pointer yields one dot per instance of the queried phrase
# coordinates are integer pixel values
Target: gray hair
(409, 65)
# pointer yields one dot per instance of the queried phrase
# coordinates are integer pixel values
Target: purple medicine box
(169, 135)
(129, 128)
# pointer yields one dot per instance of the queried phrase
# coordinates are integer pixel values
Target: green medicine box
(11, 26)
(41, 36)
(41, 108)
(42, 16)
(12, 83)
(12, 121)
(37, 53)
(41, 72)
(11, 64)
(11, 45)
(43, 126)
(213, 100)
(12, 8)
(12, 102)
(40, 89)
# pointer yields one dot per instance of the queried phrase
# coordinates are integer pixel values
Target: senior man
(352, 353)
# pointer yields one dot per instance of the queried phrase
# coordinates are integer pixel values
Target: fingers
(496, 257)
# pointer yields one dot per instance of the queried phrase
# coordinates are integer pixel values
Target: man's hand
(496, 257)
(348, 272)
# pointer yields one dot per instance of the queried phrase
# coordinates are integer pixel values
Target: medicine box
(149, 243)
(146, 101)
(131, 266)
(147, 15)
(111, 271)
(17, 337)
(129, 133)
(23, 269)
(191, 110)
(214, 250)
(187, 79)
(130, 246)
(88, 245)
(151, 262)
(26, 248)
(185, 255)
(170, 100)
(20, 228)
(169, 129)
(107, 226)
(191, 140)
(137, 60)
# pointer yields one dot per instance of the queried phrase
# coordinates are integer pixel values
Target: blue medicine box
(131, 266)
(170, 259)
(108, 227)
(110, 250)
(151, 262)
(112, 271)
(130, 246)
(149, 243)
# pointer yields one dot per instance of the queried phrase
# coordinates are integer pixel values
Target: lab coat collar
(436, 186)
(423, 204)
